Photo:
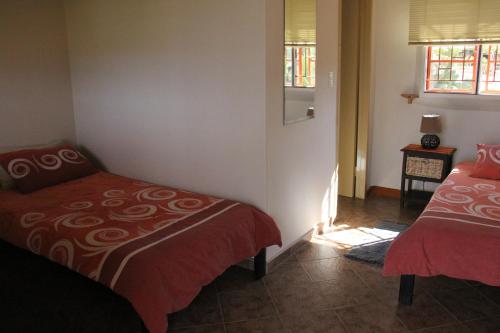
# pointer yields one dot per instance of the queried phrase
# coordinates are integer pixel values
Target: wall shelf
(410, 97)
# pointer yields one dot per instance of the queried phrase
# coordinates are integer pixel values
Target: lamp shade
(431, 124)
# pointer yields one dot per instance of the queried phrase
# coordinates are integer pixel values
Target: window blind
(300, 21)
(454, 21)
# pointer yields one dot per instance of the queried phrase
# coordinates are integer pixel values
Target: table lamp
(430, 126)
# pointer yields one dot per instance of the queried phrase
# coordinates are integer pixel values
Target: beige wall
(173, 91)
(466, 120)
(301, 157)
(35, 87)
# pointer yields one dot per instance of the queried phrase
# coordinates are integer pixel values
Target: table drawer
(424, 167)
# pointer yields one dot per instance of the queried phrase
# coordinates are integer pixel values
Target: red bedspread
(457, 235)
(155, 246)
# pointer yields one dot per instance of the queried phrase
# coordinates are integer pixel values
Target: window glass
(300, 66)
(452, 69)
(466, 69)
(490, 70)
(288, 66)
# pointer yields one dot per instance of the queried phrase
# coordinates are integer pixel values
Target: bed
(457, 235)
(156, 246)
(39, 295)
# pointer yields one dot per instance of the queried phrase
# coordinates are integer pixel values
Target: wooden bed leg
(260, 264)
(406, 289)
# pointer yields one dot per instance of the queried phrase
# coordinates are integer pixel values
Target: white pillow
(6, 183)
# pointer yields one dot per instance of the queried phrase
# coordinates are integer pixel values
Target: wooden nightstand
(428, 165)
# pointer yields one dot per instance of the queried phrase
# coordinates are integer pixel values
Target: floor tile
(360, 266)
(424, 312)
(384, 287)
(467, 304)
(238, 279)
(370, 318)
(491, 325)
(288, 257)
(203, 310)
(246, 305)
(297, 299)
(268, 325)
(314, 322)
(328, 269)
(453, 328)
(438, 283)
(493, 293)
(314, 251)
(199, 329)
(318, 296)
(287, 274)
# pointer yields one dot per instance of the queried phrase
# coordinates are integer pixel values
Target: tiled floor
(318, 290)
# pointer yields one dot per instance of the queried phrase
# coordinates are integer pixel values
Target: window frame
(298, 45)
(427, 56)
(495, 63)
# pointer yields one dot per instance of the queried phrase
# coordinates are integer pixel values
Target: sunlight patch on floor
(346, 237)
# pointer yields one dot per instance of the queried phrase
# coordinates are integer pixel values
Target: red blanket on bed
(457, 235)
(155, 246)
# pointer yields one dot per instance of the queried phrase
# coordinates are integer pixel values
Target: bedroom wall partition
(189, 93)
(301, 157)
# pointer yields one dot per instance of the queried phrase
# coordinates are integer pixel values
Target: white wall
(466, 121)
(302, 156)
(173, 91)
(35, 87)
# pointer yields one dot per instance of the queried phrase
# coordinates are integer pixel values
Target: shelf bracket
(410, 97)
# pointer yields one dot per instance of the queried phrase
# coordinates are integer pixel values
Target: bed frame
(406, 286)
(260, 264)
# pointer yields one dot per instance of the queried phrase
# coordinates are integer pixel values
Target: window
(300, 66)
(466, 69)
(490, 70)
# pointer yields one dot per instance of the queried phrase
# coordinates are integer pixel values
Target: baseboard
(380, 191)
(281, 257)
(286, 254)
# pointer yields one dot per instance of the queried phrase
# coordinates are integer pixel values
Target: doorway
(355, 97)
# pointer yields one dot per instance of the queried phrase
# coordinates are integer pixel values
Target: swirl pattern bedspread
(156, 246)
(457, 235)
